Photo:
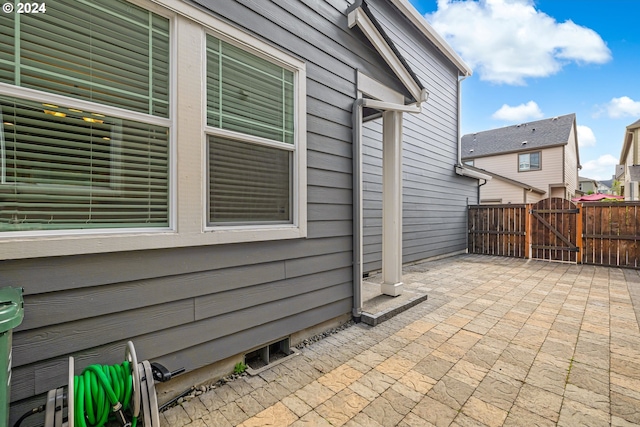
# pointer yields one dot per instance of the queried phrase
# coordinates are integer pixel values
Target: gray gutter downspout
(357, 207)
(459, 168)
(480, 185)
(459, 160)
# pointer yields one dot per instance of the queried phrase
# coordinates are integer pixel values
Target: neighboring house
(539, 159)
(501, 186)
(628, 171)
(587, 185)
(605, 186)
(203, 177)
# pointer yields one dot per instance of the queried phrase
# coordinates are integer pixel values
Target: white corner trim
(359, 18)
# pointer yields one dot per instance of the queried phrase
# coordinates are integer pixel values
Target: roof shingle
(538, 134)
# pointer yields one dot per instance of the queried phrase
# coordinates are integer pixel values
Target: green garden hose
(101, 393)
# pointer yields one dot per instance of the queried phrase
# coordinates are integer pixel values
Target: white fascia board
(626, 145)
(460, 170)
(425, 28)
(359, 17)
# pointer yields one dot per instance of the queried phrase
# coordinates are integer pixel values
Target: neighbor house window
(251, 137)
(84, 119)
(529, 161)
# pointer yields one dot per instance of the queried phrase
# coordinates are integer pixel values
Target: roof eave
(425, 28)
(358, 15)
(626, 140)
(626, 144)
(465, 170)
(519, 150)
(505, 179)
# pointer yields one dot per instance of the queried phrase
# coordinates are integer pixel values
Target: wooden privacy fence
(611, 234)
(556, 229)
(498, 230)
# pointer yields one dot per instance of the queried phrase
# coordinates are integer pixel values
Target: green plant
(239, 368)
(616, 188)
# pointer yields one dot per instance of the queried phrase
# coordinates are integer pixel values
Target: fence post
(527, 231)
(579, 234)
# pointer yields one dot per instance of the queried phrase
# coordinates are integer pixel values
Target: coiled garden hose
(103, 393)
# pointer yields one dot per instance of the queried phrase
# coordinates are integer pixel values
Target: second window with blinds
(250, 141)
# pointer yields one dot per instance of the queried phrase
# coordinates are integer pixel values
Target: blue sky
(536, 59)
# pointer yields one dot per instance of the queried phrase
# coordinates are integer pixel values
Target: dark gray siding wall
(194, 306)
(434, 197)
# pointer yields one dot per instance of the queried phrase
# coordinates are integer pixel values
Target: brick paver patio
(499, 342)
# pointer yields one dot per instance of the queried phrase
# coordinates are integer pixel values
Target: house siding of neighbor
(629, 168)
(503, 188)
(186, 294)
(588, 185)
(552, 142)
(570, 169)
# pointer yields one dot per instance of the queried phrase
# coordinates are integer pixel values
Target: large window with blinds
(250, 137)
(84, 118)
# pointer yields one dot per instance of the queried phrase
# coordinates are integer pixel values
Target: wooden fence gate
(599, 233)
(554, 226)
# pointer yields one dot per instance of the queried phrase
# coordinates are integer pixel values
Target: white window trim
(252, 232)
(188, 134)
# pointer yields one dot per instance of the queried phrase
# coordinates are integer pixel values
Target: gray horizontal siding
(434, 198)
(193, 306)
(197, 321)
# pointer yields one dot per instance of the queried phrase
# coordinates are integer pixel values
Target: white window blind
(63, 167)
(113, 53)
(246, 94)
(248, 182)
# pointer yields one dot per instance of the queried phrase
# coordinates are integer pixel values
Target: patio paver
(499, 342)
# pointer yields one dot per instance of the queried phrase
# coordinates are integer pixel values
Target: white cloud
(622, 107)
(586, 138)
(508, 41)
(601, 168)
(519, 113)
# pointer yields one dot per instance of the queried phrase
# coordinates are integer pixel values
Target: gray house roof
(634, 125)
(634, 173)
(584, 178)
(607, 182)
(539, 134)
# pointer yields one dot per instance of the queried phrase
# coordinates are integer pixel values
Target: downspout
(459, 160)
(480, 185)
(357, 207)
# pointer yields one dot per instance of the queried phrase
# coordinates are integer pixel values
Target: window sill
(45, 244)
(529, 170)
